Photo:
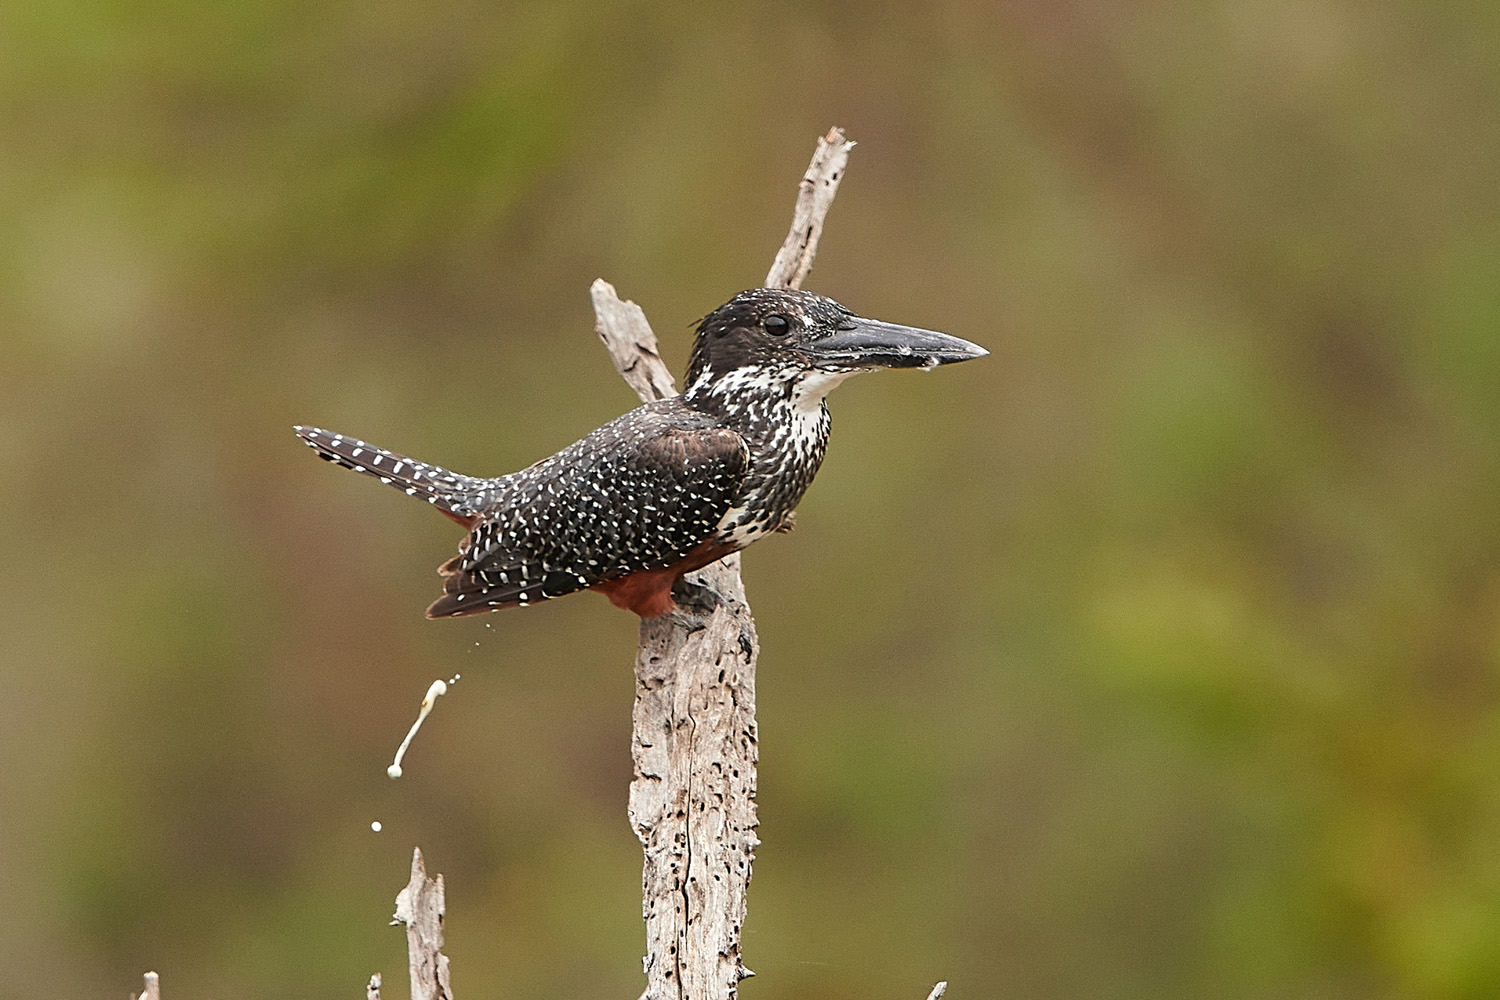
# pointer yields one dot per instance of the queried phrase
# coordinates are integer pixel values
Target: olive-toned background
(1153, 656)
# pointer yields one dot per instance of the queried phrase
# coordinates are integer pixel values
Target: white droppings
(435, 690)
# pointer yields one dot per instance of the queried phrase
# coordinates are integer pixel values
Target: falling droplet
(437, 689)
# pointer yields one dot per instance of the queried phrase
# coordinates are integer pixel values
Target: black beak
(869, 343)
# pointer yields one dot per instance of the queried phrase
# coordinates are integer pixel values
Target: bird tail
(459, 497)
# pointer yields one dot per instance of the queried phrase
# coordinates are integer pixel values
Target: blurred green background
(1154, 656)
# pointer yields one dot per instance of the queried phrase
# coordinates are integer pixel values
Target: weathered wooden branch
(631, 343)
(692, 803)
(152, 990)
(420, 907)
(815, 196)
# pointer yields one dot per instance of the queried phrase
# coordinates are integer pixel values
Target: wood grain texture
(814, 197)
(694, 742)
(420, 906)
(628, 337)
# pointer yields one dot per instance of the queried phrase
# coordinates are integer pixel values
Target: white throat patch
(811, 389)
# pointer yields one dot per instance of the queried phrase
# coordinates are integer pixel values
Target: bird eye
(777, 325)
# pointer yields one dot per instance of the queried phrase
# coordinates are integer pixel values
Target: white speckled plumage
(673, 483)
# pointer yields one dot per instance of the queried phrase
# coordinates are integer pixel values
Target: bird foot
(695, 598)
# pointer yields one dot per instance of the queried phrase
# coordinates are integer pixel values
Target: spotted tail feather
(470, 593)
(459, 497)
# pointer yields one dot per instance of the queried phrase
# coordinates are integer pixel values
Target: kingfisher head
(783, 337)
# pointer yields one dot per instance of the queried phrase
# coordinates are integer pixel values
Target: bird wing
(637, 494)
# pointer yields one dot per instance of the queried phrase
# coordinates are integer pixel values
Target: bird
(672, 485)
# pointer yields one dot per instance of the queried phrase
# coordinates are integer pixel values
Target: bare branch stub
(692, 803)
(695, 743)
(152, 990)
(814, 197)
(938, 991)
(631, 344)
(420, 907)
